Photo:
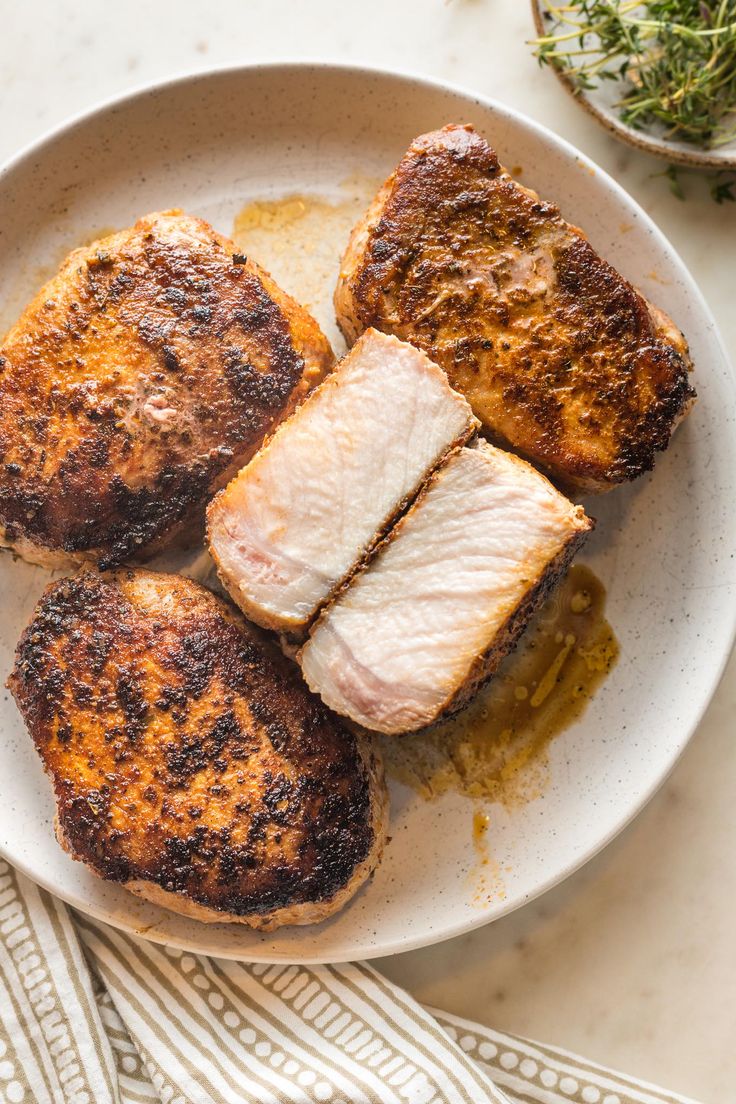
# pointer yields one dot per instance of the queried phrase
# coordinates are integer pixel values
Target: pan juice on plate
(496, 747)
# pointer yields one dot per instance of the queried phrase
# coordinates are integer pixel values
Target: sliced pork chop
(293, 524)
(559, 356)
(446, 596)
(135, 385)
(189, 760)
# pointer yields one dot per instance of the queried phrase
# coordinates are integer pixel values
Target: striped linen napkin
(89, 1015)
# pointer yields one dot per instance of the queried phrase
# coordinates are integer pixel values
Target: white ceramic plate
(664, 547)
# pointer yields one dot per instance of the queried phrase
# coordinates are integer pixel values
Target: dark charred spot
(253, 386)
(121, 284)
(132, 702)
(82, 693)
(223, 741)
(195, 660)
(64, 733)
(170, 358)
(145, 513)
(176, 298)
(279, 735)
(171, 696)
(98, 452)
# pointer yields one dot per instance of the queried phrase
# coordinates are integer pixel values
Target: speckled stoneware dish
(664, 547)
(601, 103)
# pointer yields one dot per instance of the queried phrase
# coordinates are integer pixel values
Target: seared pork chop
(189, 760)
(137, 382)
(446, 596)
(290, 528)
(559, 356)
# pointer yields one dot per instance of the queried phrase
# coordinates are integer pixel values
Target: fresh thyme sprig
(676, 60)
(721, 185)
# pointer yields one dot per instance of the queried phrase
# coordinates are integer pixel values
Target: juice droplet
(481, 821)
(580, 601)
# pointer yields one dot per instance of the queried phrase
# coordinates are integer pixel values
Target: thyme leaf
(721, 184)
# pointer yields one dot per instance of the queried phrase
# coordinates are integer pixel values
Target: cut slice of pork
(294, 523)
(446, 596)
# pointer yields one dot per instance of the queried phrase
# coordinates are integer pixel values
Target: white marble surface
(632, 962)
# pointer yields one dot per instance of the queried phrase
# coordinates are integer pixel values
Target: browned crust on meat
(560, 357)
(136, 383)
(188, 757)
(298, 914)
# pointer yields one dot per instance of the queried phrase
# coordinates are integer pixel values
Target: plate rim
(35, 148)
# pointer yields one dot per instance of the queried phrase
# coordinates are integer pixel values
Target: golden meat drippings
(495, 748)
(481, 822)
(486, 876)
(300, 240)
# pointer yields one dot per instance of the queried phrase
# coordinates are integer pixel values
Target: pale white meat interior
(404, 638)
(291, 526)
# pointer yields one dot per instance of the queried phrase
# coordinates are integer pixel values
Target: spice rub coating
(188, 758)
(559, 356)
(136, 383)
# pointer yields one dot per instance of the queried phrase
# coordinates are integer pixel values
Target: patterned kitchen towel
(92, 1016)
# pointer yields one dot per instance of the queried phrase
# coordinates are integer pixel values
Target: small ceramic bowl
(600, 102)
